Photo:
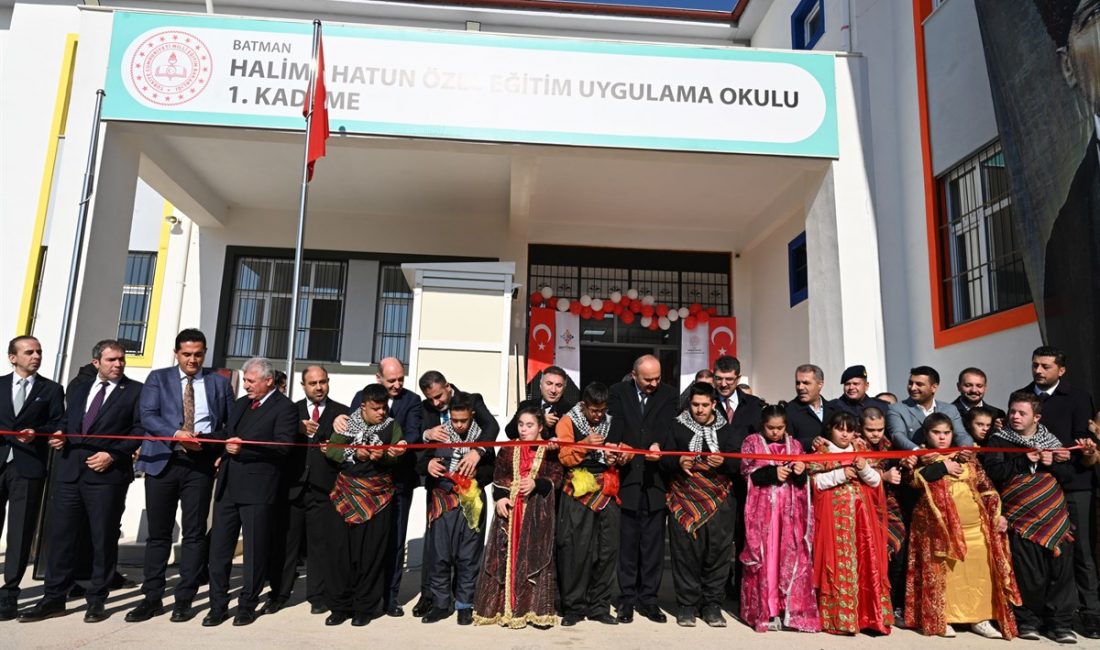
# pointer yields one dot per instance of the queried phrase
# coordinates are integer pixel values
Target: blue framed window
(797, 274)
(807, 24)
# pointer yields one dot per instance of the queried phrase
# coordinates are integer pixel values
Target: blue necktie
(93, 408)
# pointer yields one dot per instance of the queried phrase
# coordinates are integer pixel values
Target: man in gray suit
(905, 418)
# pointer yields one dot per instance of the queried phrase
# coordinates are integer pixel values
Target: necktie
(17, 405)
(1044, 396)
(316, 413)
(641, 402)
(189, 405)
(93, 408)
(255, 405)
(729, 411)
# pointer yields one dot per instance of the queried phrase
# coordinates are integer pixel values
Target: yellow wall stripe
(153, 317)
(57, 130)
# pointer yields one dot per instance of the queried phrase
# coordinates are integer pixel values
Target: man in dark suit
(550, 398)
(246, 489)
(855, 399)
(972, 385)
(646, 408)
(91, 480)
(435, 413)
(808, 412)
(1065, 413)
(404, 408)
(29, 404)
(182, 404)
(303, 509)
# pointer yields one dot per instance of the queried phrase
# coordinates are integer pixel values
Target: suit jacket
(803, 425)
(1066, 414)
(746, 419)
(641, 478)
(559, 408)
(120, 415)
(162, 415)
(252, 476)
(43, 411)
(905, 422)
(406, 412)
(960, 405)
(490, 429)
(307, 466)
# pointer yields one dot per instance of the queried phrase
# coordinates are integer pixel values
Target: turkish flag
(723, 337)
(540, 341)
(317, 114)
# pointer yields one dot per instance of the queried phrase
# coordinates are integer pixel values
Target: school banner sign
(209, 70)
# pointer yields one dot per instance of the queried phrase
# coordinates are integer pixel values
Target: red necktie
(255, 404)
(316, 413)
(729, 412)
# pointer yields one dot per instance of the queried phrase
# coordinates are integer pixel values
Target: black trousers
(356, 555)
(190, 487)
(896, 572)
(402, 501)
(738, 494)
(21, 498)
(1045, 583)
(76, 504)
(587, 555)
(641, 554)
(701, 562)
(230, 519)
(1082, 512)
(288, 543)
(456, 559)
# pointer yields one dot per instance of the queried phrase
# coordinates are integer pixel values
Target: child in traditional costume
(516, 586)
(355, 585)
(777, 581)
(850, 558)
(699, 504)
(588, 513)
(960, 568)
(873, 431)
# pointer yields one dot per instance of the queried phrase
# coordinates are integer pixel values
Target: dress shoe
(605, 618)
(145, 610)
(42, 610)
(396, 611)
(95, 613)
(8, 610)
(336, 618)
(625, 614)
(569, 620)
(318, 608)
(244, 617)
(359, 620)
(422, 607)
(215, 617)
(466, 616)
(685, 617)
(271, 607)
(712, 616)
(182, 612)
(653, 613)
(435, 615)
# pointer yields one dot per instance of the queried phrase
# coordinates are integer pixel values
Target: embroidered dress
(850, 562)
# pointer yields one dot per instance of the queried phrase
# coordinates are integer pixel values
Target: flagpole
(292, 335)
(78, 240)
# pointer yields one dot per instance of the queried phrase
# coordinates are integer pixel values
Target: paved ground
(295, 626)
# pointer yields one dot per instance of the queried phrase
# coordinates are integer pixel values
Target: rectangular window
(807, 24)
(982, 265)
(797, 269)
(260, 316)
(394, 328)
(137, 291)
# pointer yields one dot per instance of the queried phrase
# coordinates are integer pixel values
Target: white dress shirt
(204, 422)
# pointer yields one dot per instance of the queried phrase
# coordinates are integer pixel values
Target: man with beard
(972, 386)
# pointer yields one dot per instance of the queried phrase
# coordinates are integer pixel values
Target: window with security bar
(982, 267)
(137, 294)
(260, 317)
(394, 328)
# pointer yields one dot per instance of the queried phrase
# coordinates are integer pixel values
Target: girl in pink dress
(777, 586)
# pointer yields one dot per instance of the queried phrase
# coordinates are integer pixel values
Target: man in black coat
(303, 509)
(29, 404)
(550, 397)
(246, 490)
(808, 412)
(855, 399)
(91, 480)
(1065, 413)
(646, 407)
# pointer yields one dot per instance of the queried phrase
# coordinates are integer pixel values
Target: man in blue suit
(91, 481)
(905, 420)
(182, 404)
